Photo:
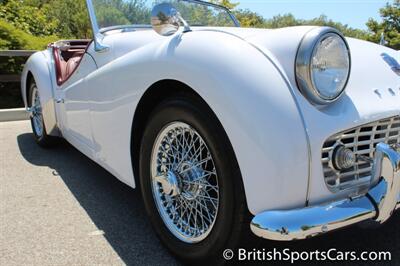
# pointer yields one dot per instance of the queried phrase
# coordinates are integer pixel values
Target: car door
(73, 105)
(111, 103)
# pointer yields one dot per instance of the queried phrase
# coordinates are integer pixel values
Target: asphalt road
(57, 207)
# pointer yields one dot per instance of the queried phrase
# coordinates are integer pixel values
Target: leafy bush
(15, 39)
(30, 19)
(389, 27)
(12, 38)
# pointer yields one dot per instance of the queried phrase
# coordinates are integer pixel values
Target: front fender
(244, 89)
(253, 102)
(39, 67)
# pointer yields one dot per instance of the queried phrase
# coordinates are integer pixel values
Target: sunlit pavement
(57, 207)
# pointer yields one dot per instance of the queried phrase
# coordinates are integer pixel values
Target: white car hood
(370, 67)
(372, 77)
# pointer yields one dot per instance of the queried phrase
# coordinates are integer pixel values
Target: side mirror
(165, 19)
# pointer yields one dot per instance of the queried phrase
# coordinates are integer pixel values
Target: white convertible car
(289, 132)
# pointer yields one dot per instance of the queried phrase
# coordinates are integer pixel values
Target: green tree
(72, 16)
(137, 12)
(248, 18)
(344, 28)
(67, 19)
(12, 38)
(281, 21)
(390, 25)
(108, 14)
(30, 19)
(226, 3)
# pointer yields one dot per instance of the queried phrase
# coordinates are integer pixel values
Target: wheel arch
(29, 79)
(153, 96)
(38, 68)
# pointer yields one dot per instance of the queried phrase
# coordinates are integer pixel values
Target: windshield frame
(103, 30)
(227, 10)
(98, 34)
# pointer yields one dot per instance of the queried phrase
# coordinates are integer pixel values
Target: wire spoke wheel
(184, 182)
(36, 113)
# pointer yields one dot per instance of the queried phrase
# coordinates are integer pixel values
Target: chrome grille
(362, 141)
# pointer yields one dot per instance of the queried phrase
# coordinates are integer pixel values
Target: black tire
(42, 139)
(231, 226)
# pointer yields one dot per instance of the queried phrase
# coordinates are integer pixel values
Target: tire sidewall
(44, 141)
(31, 90)
(194, 115)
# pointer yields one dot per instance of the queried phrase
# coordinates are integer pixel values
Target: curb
(16, 114)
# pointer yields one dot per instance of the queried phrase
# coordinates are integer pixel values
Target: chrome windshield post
(99, 46)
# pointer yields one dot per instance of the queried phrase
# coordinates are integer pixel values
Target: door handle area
(60, 100)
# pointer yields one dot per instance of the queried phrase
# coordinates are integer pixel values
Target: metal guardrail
(7, 78)
(16, 52)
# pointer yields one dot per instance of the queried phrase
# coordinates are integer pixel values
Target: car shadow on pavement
(118, 210)
(113, 207)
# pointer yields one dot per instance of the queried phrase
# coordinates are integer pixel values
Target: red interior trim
(59, 77)
(57, 59)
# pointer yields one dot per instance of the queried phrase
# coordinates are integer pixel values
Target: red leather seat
(71, 65)
(64, 69)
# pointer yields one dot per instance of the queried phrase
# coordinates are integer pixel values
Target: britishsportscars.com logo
(287, 255)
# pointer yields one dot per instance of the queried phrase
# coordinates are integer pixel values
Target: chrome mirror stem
(186, 26)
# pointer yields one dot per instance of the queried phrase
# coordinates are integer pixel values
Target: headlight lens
(323, 65)
(330, 66)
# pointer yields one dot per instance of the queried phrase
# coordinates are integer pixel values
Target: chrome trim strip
(121, 27)
(304, 223)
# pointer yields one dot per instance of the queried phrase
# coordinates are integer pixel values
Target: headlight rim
(303, 64)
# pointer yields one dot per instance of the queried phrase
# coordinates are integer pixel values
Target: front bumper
(378, 204)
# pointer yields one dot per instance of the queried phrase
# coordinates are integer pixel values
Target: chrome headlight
(323, 65)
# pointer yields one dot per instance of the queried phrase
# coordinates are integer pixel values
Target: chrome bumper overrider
(378, 204)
